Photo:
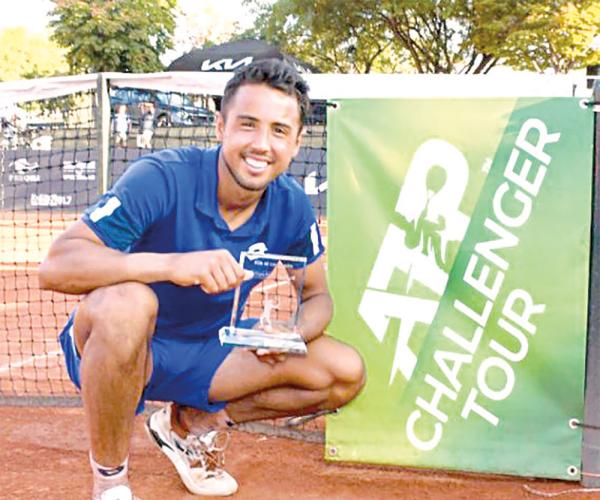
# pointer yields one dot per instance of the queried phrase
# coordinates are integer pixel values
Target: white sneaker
(121, 492)
(198, 459)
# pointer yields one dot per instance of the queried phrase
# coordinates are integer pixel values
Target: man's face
(260, 134)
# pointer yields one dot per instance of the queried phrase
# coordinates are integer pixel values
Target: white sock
(107, 477)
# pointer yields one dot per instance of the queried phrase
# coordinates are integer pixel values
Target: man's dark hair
(276, 74)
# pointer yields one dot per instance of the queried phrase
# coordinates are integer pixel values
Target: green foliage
(557, 37)
(114, 35)
(333, 35)
(431, 36)
(23, 55)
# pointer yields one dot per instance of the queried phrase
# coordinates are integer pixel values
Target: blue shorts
(182, 370)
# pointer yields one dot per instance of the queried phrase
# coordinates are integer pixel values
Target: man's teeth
(257, 164)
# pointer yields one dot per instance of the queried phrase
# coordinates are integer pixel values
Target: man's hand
(214, 271)
(270, 357)
(273, 327)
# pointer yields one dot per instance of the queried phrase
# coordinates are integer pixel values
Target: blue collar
(206, 198)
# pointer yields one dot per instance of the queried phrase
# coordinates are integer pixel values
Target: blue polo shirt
(166, 202)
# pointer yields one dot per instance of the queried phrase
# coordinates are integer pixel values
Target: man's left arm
(316, 308)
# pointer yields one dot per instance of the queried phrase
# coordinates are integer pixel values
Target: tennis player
(157, 257)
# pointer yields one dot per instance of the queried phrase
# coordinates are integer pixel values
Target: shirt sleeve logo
(314, 238)
(105, 210)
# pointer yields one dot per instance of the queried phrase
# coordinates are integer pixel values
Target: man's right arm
(79, 262)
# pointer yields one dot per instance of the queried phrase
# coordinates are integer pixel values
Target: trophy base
(288, 342)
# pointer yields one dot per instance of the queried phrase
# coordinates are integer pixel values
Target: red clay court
(45, 449)
(45, 455)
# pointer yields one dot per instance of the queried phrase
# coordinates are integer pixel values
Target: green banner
(458, 260)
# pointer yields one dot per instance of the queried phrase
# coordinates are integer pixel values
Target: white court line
(32, 359)
(13, 305)
(29, 361)
(19, 266)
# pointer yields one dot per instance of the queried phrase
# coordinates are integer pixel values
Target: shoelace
(206, 451)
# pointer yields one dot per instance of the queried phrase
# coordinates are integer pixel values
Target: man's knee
(350, 377)
(347, 372)
(120, 316)
(352, 369)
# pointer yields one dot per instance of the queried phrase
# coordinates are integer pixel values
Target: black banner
(66, 180)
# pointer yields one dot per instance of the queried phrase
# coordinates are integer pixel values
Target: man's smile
(255, 165)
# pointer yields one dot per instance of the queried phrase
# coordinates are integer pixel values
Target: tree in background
(111, 35)
(334, 36)
(204, 23)
(433, 36)
(557, 37)
(24, 55)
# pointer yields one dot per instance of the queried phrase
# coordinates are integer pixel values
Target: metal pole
(591, 428)
(103, 133)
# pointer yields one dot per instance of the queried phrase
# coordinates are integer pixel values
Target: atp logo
(428, 211)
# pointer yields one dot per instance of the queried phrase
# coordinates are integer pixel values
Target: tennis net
(63, 142)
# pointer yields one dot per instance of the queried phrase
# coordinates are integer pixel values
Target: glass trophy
(269, 317)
